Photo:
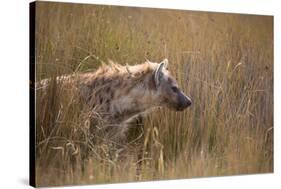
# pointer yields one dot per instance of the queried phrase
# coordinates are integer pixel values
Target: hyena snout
(184, 102)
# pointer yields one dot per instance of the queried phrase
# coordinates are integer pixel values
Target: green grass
(223, 61)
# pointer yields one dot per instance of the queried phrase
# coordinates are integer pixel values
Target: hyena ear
(158, 74)
(166, 62)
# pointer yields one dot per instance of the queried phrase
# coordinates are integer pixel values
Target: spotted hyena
(118, 94)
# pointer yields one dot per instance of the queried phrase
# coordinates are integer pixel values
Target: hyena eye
(175, 89)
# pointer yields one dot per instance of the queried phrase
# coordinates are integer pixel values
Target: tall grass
(223, 61)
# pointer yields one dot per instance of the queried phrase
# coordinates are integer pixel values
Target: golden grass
(223, 61)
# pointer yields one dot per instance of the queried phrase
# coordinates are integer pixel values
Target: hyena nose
(184, 102)
(188, 102)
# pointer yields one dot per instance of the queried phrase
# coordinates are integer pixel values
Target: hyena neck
(126, 109)
(137, 102)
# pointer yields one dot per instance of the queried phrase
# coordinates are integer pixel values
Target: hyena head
(167, 90)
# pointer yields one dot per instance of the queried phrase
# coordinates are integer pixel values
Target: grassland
(223, 61)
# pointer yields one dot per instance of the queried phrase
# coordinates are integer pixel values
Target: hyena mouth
(176, 107)
(183, 106)
(180, 108)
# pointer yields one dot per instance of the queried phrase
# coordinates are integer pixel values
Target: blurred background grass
(223, 61)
